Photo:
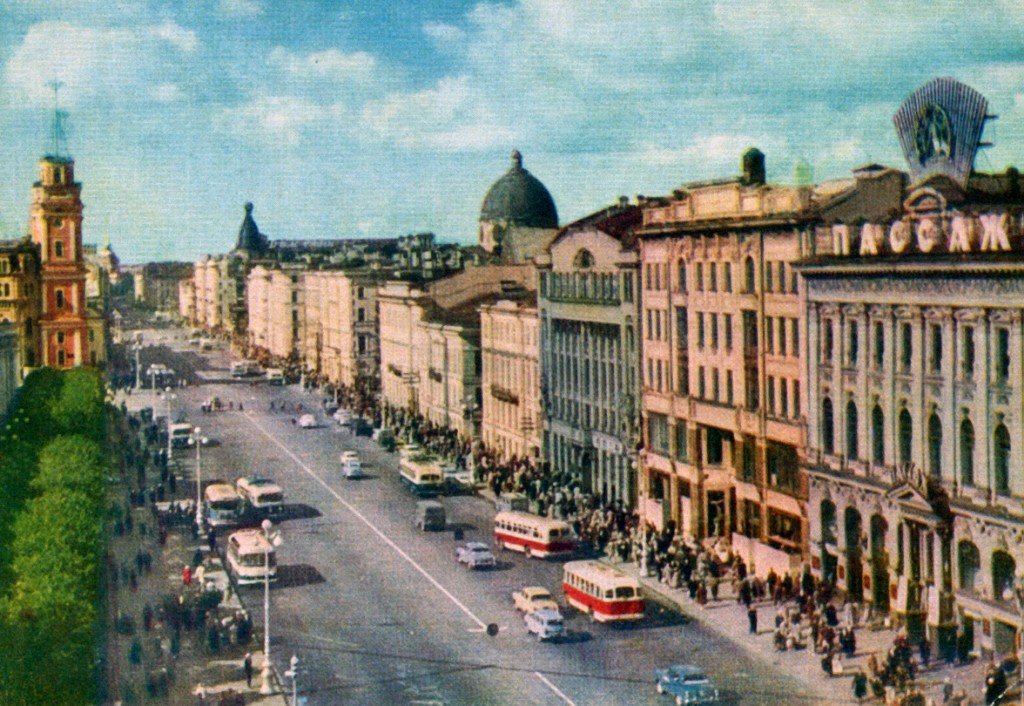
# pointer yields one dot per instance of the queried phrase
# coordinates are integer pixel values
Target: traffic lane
(445, 662)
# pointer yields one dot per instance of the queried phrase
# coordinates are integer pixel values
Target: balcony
(503, 395)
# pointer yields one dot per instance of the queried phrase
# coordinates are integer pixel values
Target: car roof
(476, 545)
(534, 590)
(685, 670)
(549, 613)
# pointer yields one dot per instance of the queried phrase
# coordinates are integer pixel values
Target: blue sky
(374, 118)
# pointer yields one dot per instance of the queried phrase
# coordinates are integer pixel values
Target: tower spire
(58, 135)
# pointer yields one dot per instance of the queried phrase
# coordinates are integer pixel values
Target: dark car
(689, 684)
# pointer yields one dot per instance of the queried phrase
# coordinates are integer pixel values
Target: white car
(343, 416)
(352, 468)
(349, 455)
(545, 623)
(533, 598)
(307, 421)
(475, 555)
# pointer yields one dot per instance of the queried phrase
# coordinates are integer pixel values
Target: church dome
(250, 239)
(519, 198)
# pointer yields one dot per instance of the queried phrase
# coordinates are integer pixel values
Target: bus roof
(599, 573)
(251, 541)
(539, 521)
(220, 491)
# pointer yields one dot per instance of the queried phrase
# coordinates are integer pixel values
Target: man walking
(247, 665)
(752, 617)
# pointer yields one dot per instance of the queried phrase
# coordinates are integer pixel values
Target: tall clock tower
(56, 227)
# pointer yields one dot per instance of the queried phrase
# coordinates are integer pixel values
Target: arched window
(903, 432)
(934, 446)
(583, 260)
(828, 521)
(877, 435)
(966, 452)
(968, 560)
(1003, 569)
(827, 427)
(851, 431)
(749, 281)
(1001, 465)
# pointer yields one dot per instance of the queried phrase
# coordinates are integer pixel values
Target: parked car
(475, 555)
(545, 623)
(687, 683)
(342, 416)
(456, 480)
(430, 516)
(307, 421)
(533, 598)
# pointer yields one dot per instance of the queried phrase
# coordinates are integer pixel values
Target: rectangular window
(782, 335)
(660, 387)
(714, 385)
(748, 461)
(650, 325)
(771, 394)
(681, 440)
(783, 466)
(700, 330)
(699, 276)
(649, 278)
(627, 286)
(783, 397)
(794, 343)
(769, 279)
(728, 277)
(853, 344)
(935, 353)
(967, 355)
(728, 331)
(782, 277)
(827, 342)
(1002, 354)
(906, 346)
(657, 431)
(878, 350)
(657, 277)
(749, 332)
(713, 275)
(796, 398)
(769, 335)
(682, 276)
(715, 440)
(701, 388)
(657, 325)
(728, 386)
(714, 332)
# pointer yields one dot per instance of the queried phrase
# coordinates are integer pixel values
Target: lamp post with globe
(198, 440)
(273, 539)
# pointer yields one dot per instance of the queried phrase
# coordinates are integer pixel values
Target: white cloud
(116, 64)
(444, 34)
(277, 118)
(166, 93)
(240, 8)
(327, 64)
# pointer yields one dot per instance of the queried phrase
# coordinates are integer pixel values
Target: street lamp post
(199, 440)
(138, 370)
(293, 674)
(273, 537)
(168, 397)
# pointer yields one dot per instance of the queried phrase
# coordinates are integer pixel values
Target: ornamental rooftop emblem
(939, 127)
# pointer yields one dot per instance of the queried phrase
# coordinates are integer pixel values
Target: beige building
(276, 311)
(206, 276)
(721, 376)
(430, 342)
(510, 377)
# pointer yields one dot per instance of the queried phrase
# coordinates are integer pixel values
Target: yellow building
(19, 297)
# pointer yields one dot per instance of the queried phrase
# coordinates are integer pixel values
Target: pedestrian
(860, 685)
(925, 649)
(211, 539)
(752, 618)
(186, 575)
(247, 665)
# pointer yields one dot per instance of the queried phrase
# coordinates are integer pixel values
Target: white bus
(532, 534)
(180, 434)
(601, 591)
(260, 496)
(221, 505)
(245, 368)
(421, 478)
(251, 557)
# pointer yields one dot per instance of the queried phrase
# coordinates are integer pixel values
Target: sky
(379, 118)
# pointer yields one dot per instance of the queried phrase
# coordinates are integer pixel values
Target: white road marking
(348, 506)
(554, 688)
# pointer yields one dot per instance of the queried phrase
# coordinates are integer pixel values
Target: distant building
(518, 217)
(20, 293)
(156, 284)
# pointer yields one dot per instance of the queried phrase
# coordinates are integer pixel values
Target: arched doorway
(879, 565)
(854, 568)
(829, 561)
(968, 561)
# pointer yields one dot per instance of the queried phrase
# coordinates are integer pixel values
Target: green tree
(74, 462)
(79, 407)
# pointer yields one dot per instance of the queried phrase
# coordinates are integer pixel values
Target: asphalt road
(380, 613)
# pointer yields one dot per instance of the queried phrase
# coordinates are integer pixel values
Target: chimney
(753, 167)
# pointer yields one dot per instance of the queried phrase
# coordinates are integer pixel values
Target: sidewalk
(163, 650)
(728, 618)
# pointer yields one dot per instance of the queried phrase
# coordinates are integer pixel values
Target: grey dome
(250, 239)
(519, 198)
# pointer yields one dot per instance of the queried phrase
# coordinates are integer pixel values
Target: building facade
(916, 388)
(510, 378)
(589, 341)
(722, 340)
(20, 296)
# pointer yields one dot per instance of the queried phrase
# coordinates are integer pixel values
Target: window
(967, 352)
(700, 330)
(827, 427)
(966, 453)
(771, 394)
(1001, 465)
(768, 279)
(701, 388)
(713, 277)
(783, 466)
(878, 350)
(727, 277)
(853, 344)
(904, 438)
(783, 397)
(682, 276)
(827, 342)
(782, 336)
(699, 276)
(58, 248)
(728, 387)
(782, 276)
(935, 351)
(769, 335)
(714, 385)
(681, 440)
(934, 446)
(60, 337)
(714, 331)
(749, 280)
(727, 325)
(748, 465)
(1002, 354)
(627, 287)
(794, 344)
(851, 431)
(906, 346)
(61, 357)
(796, 398)
(969, 563)
(877, 436)
(360, 315)
(657, 430)
(59, 298)
(715, 439)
